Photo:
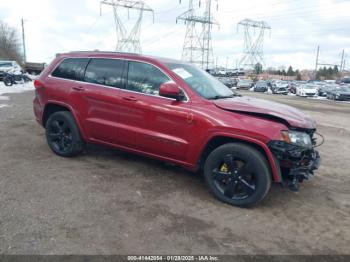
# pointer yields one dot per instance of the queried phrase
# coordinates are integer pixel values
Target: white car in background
(307, 90)
(281, 84)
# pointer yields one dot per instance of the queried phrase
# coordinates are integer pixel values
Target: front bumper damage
(296, 163)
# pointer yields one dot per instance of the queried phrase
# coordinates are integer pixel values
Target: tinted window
(105, 72)
(145, 78)
(71, 68)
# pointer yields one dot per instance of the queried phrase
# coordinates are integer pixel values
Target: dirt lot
(109, 202)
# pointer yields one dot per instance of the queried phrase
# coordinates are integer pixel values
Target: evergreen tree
(290, 71)
(258, 68)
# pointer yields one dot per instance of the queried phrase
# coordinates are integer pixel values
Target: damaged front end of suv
(296, 156)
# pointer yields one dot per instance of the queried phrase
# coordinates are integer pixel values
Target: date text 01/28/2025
(173, 258)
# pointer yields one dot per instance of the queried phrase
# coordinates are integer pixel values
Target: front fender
(273, 162)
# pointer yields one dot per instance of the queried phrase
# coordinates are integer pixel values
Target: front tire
(8, 81)
(237, 174)
(62, 134)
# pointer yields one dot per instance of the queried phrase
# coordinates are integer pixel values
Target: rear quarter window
(71, 68)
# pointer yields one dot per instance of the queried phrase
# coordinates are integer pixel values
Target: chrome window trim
(118, 88)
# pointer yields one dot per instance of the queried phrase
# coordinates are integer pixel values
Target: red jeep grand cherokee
(175, 112)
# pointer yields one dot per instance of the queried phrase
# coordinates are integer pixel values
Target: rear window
(105, 72)
(5, 64)
(71, 68)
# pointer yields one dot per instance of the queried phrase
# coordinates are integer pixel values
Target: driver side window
(145, 78)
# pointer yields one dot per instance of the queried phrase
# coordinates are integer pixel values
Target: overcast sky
(298, 26)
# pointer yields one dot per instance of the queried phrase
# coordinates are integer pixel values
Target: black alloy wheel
(237, 174)
(234, 178)
(62, 134)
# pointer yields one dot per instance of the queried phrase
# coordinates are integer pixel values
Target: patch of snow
(3, 105)
(17, 88)
(4, 98)
(317, 97)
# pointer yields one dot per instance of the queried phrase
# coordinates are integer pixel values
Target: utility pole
(317, 56)
(208, 47)
(128, 40)
(24, 42)
(342, 61)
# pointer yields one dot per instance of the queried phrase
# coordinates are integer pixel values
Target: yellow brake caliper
(224, 168)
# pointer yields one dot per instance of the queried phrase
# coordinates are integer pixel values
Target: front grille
(310, 94)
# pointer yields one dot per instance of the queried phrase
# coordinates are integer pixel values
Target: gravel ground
(110, 202)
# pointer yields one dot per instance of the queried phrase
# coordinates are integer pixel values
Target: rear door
(151, 123)
(103, 80)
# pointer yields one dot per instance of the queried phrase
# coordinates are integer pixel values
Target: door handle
(130, 98)
(79, 88)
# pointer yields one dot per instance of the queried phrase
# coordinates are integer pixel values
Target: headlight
(297, 138)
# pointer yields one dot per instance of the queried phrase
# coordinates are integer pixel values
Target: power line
(24, 42)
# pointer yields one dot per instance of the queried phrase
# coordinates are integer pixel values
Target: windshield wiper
(222, 97)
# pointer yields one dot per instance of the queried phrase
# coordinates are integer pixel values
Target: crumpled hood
(291, 115)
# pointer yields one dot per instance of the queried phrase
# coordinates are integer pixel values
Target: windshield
(5, 64)
(344, 89)
(201, 82)
(261, 83)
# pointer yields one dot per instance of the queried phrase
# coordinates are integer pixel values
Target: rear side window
(105, 72)
(145, 78)
(71, 68)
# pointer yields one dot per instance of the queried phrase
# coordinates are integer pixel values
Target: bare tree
(10, 45)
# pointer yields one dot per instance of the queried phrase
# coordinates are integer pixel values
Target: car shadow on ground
(104, 158)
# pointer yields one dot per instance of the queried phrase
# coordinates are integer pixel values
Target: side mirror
(171, 90)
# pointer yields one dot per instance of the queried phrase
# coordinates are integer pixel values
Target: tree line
(10, 44)
(258, 69)
(321, 74)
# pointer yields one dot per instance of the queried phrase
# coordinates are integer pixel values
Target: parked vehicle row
(328, 89)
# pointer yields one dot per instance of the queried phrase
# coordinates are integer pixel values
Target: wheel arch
(221, 139)
(53, 107)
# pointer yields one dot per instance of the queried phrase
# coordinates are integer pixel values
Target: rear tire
(237, 174)
(62, 134)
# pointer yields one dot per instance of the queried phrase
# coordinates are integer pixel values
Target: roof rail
(106, 52)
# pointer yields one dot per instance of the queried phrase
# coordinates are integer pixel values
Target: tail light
(38, 84)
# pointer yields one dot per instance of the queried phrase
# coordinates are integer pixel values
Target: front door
(151, 123)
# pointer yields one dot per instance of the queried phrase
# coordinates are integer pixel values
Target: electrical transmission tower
(253, 52)
(197, 47)
(128, 40)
